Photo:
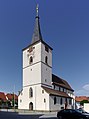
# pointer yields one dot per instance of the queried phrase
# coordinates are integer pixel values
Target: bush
(84, 101)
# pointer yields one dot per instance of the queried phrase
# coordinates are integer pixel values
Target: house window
(55, 100)
(31, 60)
(61, 101)
(46, 60)
(30, 92)
(46, 49)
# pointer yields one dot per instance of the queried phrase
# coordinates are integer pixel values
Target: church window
(55, 100)
(46, 60)
(31, 59)
(70, 102)
(46, 49)
(59, 88)
(45, 80)
(61, 101)
(65, 99)
(42, 91)
(20, 100)
(30, 92)
(44, 100)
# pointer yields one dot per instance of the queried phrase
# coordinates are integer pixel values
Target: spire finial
(37, 10)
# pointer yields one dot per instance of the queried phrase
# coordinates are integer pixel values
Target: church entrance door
(30, 106)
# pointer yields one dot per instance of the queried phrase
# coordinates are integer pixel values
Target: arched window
(46, 60)
(30, 106)
(31, 59)
(30, 92)
(44, 100)
(54, 100)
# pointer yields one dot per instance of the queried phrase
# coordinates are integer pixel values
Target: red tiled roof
(2, 96)
(81, 98)
(55, 92)
(10, 96)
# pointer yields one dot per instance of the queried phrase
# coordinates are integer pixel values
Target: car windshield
(81, 110)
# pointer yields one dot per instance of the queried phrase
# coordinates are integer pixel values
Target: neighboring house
(78, 99)
(7, 99)
(42, 90)
(11, 98)
(3, 100)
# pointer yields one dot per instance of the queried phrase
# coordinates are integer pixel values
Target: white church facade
(41, 89)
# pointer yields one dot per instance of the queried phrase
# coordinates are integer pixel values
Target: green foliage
(84, 101)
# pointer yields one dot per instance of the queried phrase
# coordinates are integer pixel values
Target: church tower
(37, 59)
(37, 71)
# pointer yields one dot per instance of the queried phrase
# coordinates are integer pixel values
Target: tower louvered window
(31, 60)
(46, 60)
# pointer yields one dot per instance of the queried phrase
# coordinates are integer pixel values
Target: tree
(84, 101)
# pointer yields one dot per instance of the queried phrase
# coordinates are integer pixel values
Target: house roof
(55, 92)
(2, 96)
(81, 98)
(10, 96)
(61, 82)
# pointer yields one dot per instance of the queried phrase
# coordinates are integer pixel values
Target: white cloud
(84, 91)
(86, 87)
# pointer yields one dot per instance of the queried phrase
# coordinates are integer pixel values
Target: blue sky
(64, 26)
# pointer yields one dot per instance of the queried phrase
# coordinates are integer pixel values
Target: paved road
(13, 115)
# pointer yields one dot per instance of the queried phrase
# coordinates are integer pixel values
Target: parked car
(82, 110)
(71, 114)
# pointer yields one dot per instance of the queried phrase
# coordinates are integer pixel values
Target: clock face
(30, 49)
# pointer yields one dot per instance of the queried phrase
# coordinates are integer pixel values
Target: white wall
(86, 107)
(32, 75)
(57, 106)
(37, 99)
(46, 75)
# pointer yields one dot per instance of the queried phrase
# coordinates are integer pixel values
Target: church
(42, 90)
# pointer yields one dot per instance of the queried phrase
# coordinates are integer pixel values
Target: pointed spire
(37, 32)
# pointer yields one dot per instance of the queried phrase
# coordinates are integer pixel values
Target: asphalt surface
(14, 115)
